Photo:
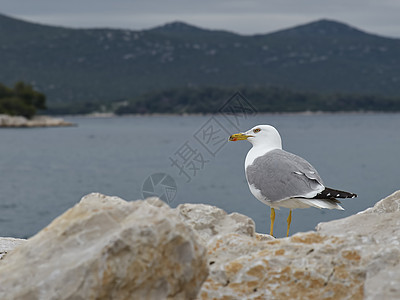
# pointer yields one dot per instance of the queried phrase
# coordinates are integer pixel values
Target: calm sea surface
(45, 171)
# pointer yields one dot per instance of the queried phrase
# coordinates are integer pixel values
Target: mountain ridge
(101, 64)
(178, 25)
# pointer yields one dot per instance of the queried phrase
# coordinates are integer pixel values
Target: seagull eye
(256, 130)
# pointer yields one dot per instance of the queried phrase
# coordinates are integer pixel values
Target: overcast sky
(241, 16)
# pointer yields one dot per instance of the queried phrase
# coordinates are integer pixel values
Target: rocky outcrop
(353, 258)
(38, 121)
(390, 204)
(8, 244)
(211, 221)
(374, 236)
(106, 247)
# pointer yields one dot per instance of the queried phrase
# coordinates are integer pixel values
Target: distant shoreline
(306, 113)
(7, 121)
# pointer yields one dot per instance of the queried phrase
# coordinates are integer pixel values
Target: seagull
(282, 179)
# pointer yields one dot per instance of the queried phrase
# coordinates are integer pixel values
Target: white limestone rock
(107, 248)
(8, 244)
(304, 266)
(357, 257)
(353, 258)
(376, 233)
(226, 236)
(209, 221)
(389, 204)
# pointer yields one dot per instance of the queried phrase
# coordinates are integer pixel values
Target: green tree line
(21, 100)
(271, 99)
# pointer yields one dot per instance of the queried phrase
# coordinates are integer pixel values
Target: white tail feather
(322, 204)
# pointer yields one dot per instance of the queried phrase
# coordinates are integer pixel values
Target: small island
(19, 105)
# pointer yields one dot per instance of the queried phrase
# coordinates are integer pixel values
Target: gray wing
(281, 175)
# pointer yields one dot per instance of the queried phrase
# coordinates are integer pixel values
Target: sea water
(45, 171)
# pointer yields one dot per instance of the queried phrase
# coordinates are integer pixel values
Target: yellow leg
(289, 220)
(271, 232)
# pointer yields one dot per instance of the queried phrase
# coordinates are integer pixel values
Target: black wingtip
(329, 193)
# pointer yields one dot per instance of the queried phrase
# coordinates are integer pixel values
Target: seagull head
(261, 135)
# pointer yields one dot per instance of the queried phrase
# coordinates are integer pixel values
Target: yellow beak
(239, 137)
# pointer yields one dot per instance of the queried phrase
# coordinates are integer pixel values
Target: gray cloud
(246, 17)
